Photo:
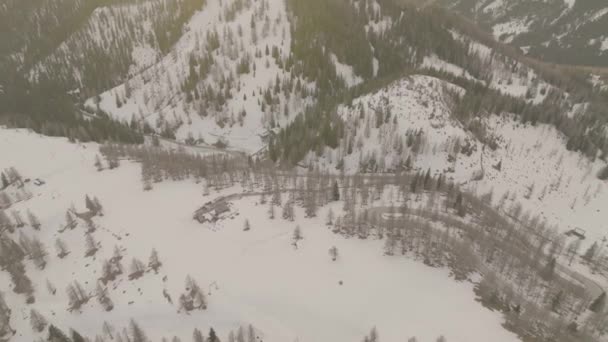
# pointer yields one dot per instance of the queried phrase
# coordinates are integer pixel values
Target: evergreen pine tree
(590, 253)
(212, 336)
(37, 321)
(76, 337)
(154, 263)
(137, 333)
(56, 335)
(335, 191)
(197, 336)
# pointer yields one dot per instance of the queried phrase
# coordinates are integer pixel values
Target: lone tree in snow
(91, 226)
(38, 253)
(212, 336)
(61, 248)
(110, 270)
(50, 287)
(330, 217)
(37, 321)
(197, 336)
(117, 255)
(98, 163)
(76, 337)
(76, 296)
(589, 255)
(88, 202)
(93, 205)
(56, 335)
(297, 234)
(137, 333)
(137, 269)
(17, 219)
(271, 211)
(193, 297)
(34, 222)
(333, 253)
(103, 298)
(107, 330)
(154, 263)
(98, 206)
(91, 246)
(70, 222)
(288, 213)
(247, 226)
(372, 337)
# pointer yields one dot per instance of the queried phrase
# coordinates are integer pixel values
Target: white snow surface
(570, 3)
(261, 279)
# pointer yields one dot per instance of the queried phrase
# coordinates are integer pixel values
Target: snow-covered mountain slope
(223, 79)
(103, 42)
(563, 31)
(410, 124)
(249, 277)
(500, 72)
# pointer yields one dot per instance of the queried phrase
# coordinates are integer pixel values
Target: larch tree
(197, 336)
(330, 217)
(137, 269)
(17, 219)
(333, 253)
(61, 248)
(38, 253)
(240, 335)
(297, 234)
(50, 287)
(33, 220)
(91, 246)
(56, 335)
(98, 163)
(154, 262)
(70, 222)
(76, 337)
(137, 333)
(37, 321)
(212, 336)
(107, 330)
(589, 255)
(251, 336)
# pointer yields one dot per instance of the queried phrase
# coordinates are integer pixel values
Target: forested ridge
(46, 99)
(380, 40)
(408, 35)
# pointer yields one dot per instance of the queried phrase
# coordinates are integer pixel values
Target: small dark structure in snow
(578, 232)
(212, 211)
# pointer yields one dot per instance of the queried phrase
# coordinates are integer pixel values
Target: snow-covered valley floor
(250, 277)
